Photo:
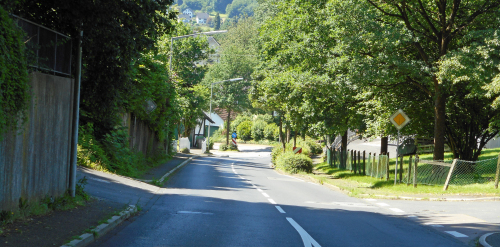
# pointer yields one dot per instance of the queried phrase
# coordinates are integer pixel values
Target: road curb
(171, 171)
(482, 239)
(88, 238)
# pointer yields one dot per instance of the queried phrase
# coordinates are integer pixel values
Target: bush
(238, 120)
(314, 147)
(294, 163)
(230, 147)
(271, 132)
(277, 151)
(185, 150)
(244, 130)
(266, 118)
(258, 130)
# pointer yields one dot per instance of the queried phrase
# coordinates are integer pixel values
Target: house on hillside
(189, 12)
(202, 18)
(184, 18)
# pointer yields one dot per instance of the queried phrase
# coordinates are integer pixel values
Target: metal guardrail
(49, 50)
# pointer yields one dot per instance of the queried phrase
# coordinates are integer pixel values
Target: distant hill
(230, 7)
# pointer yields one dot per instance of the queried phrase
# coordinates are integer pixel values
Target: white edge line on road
(306, 238)
(397, 210)
(280, 209)
(382, 204)
(457, 234)
(271, 201)
(259, 189)
(264, 194)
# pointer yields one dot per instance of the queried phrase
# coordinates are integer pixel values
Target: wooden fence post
(415, 164)
(401, 170)
(359, 162)
(387, 168)
(409, 171)
(353, 157)
(364, 163)
(452, 168)
(498, 172)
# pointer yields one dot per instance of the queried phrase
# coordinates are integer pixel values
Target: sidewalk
(112, 193)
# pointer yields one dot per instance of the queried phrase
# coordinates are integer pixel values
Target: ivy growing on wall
(14, 88)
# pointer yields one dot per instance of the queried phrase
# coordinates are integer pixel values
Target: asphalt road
(240, 201)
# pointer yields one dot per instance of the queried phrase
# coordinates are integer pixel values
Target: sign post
(234, 135)
(399, 119)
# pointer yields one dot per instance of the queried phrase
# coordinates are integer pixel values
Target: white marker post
(399, 119)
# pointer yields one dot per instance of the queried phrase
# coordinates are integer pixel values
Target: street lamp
(187, 36)
(210, 113)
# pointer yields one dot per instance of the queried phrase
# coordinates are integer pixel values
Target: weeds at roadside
(156, 182)
(28, 209)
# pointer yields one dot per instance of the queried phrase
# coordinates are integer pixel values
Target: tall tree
(217, 21)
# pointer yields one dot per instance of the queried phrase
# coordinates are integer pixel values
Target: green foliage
(258, 130)
(185, 150)
(217, 21)
(294, 163)
(115, 33)
(112, 154)
(241, 7)
(244, 130)
(238, 120)
(271, 132)
(313, 146)
(230, 147)
(14, 88)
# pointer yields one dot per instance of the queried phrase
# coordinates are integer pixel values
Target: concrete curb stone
(102, 229)
(483, 239)
(171, 171)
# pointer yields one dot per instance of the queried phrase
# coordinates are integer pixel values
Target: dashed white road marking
(280, 209)
(259, 190)
(306, 238)
(264, 194)
(412, 216)
(271, 201)
(397, 210)
(191, 212)
(382, 204)
(457, 234)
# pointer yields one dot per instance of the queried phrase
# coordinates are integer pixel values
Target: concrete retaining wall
(35, 162)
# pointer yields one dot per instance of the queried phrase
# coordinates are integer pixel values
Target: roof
(188, 9)
(187, 17)
(208, 118)
(202, 16)
(223, 114)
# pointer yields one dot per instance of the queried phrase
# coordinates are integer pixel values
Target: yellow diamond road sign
(399, 119)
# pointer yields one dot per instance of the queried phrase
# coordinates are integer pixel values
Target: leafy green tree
(217, 21)
(407, 45)
(258, 130)
(241, 7)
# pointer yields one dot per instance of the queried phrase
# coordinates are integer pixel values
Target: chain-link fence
(456, 172)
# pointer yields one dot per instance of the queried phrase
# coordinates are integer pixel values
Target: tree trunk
(281, 133)
(343, 150)
(383, 145)
(439, 126)
(227, 127)
(288, 130)
(295, 139)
